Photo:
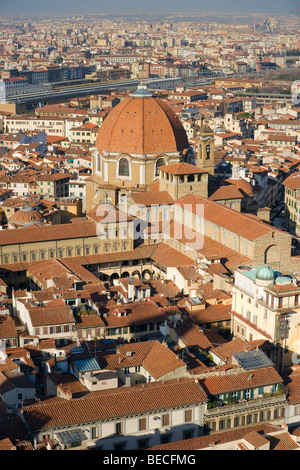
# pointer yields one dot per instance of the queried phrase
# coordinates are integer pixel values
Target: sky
(270, 7)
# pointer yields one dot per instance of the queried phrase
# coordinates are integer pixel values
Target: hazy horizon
(38, 7)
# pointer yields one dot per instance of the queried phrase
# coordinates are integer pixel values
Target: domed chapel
(141, 134)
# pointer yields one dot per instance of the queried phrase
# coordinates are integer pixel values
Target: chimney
(131, 289)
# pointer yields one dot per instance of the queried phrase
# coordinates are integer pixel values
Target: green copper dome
(265, 273)
(283, 280)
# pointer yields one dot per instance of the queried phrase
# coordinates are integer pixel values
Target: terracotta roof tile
(223, 437)
(240, 381)
(142, 126)
(114, 403)
(236, 222)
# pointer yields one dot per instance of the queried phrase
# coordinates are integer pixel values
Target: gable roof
(35, 233)
(114, 403)
(239, 223)
(241, 381)
(182, 168)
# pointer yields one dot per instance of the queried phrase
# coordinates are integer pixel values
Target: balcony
(243, 405)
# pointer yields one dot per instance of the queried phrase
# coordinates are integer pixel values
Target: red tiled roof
(40, 316)
(223, 437)
(114, 403)
(35, 233)
(240, 381)
(223, 216)
(182, 168)
(7, 327)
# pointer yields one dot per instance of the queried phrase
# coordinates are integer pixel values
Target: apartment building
(265, 306)
(291, 198)
(54, 184)
(126, 418)
(244, 396)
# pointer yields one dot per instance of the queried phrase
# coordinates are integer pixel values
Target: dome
(25, 216)
(265, 273)
(283, 280)
(142, 124)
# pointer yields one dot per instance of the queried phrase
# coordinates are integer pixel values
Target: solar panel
(254, 359)
(87, 365)
(68, 437)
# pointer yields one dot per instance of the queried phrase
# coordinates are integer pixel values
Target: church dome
(25, 216)
(265, 273)
(142, 124)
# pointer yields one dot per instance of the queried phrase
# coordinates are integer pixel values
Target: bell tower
(206, 149)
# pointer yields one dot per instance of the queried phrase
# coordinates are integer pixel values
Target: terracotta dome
(142, 124)
(25, 216)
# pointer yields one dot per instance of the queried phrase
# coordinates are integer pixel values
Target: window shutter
(165, 420)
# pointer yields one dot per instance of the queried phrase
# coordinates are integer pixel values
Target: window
(160, 162)
(187, 416)
(120, 446)
(165, 439)
(123, 167)
(166, 420)
(222, 424)
(237, 421)
(187, 434)
(296, 410)
(142, 444)
(95, 432)
(119, 428)
(142, 424)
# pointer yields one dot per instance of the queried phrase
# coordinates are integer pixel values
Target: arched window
(159, 162)
(207, 152)
(272, 254)
(98, 163)
(123, 167)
